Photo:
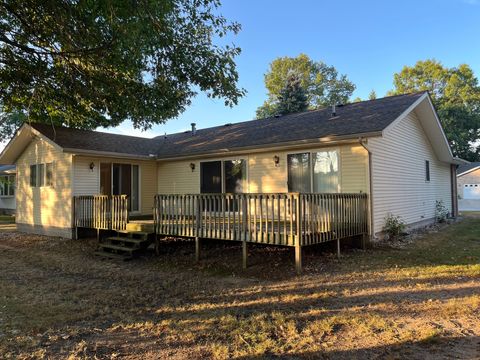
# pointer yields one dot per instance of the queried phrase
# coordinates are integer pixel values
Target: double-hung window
(7, 185)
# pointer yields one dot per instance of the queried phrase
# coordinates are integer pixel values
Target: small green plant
(441, 212)
(393, 227)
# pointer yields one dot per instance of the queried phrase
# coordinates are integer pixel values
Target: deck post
(244, 253)
(244, 230)
(364, 241)
(298, 240)
(338, 248)
(98, 235)
(197, 249)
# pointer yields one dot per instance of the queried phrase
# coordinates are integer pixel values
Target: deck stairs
(128, 243)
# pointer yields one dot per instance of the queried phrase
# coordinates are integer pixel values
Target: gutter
(370, 183)
(107, 154)
(329, 140)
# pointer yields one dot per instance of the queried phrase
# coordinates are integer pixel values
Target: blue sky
(366, 40)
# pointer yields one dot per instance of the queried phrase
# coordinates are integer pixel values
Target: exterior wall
(472, 177)
(87, 182)
(7, 204)
(398, 175)
(46, 209)
(176, 177)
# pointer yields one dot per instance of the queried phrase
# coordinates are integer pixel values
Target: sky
(366, 40)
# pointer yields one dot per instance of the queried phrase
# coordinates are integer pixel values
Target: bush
(441, 212)
(394, 226)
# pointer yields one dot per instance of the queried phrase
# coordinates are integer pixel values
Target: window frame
(8, 183)
(312, 164)
(245, 186)
(427, 171)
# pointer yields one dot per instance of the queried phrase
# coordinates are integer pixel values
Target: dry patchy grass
(421, 301)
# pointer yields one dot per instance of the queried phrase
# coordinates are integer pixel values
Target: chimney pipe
(334, 112)
(194, 129)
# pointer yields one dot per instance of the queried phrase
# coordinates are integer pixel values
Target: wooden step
(133, 234)
(142, 227)
(110, 255)
(117, 247)
(126, 240)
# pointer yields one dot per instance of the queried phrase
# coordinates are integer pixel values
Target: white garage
(471, 191)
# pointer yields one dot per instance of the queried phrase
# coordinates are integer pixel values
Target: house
(468, 187)
(7, 189)
(378, 157)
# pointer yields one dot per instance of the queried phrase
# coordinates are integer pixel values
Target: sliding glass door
(316, 172)
(299, 178)
(121, 179)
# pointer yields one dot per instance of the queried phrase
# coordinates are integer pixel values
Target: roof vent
(194, 129)
(334, 111)
(278, 115)
(165, 136)
(227, 124)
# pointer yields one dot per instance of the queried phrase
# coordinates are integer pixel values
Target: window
(228, 176)
(33, 175)
(316, 172)
(299, 173)
(41, 175)
(427, 170)
(235, 175)
(49, 174)
(325, 172)
(7, 185)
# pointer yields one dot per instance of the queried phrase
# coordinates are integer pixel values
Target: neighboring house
(468, 187)
(7, 189)
(392, 149)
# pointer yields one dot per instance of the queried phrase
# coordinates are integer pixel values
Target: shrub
(394, 226)
(441, 212)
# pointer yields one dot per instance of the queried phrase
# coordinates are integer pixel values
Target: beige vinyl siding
(398, 174)
(87, 182)
(176, 177)
(44, 206)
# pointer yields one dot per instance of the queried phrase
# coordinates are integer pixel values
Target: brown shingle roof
(350, 120)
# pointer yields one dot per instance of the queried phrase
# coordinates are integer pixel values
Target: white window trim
(8, 176)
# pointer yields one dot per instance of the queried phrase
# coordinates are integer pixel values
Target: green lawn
(420, 301)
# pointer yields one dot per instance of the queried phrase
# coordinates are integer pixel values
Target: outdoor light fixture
(92, 166)
(276, 160)
(192, 166)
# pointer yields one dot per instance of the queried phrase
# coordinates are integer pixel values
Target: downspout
(363, 142)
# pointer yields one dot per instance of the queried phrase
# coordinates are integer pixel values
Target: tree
(292, 97)
(456, 95)
(372, 95)
(322, 84)
(97, 63)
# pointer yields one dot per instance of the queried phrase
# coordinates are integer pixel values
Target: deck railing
(101, 212)
(278, 218)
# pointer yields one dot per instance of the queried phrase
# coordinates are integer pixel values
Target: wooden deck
(281, 219)
(278, 219)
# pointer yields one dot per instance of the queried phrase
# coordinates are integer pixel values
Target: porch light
(192, 166)
(92, 166)
(276, 160)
